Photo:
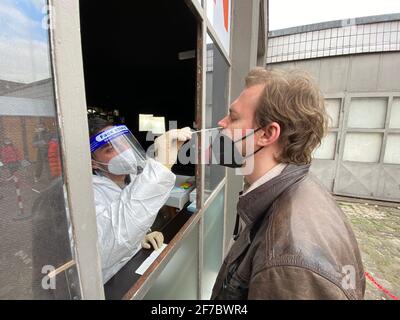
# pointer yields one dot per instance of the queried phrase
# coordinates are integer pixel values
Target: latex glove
(154, 239)
(168, 145)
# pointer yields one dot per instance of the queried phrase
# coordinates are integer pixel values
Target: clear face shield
(117, 151)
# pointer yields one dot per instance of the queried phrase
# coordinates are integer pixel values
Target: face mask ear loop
(248, 135)
(102, 163)
(245, 138)
(253, 153)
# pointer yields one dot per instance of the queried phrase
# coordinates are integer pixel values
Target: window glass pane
(393, 40)
(314, 45)
(362, 147)
(308, 46)
(178, 281)
(395, 114)
(297, 47)
(327, 43)
(353, 41)
(333, 43)
(219, 15)
(367, 113)
(285, 39)
(216, 109)
(346, 45)
(327, 148)
(392, 151)
(333, 109)
(321, 44)
(34, 225)
(302, 48)
(213, 239)
(285, 49)
(274, 51)
(379, 40)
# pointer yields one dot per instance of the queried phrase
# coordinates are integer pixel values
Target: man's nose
(222, 123)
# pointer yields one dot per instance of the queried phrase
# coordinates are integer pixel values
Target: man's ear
(269, 134)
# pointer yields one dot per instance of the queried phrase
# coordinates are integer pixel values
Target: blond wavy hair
(294, 101)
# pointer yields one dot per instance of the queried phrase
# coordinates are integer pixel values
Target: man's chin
(247, 168)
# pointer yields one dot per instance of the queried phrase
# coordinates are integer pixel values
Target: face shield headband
(104, 137)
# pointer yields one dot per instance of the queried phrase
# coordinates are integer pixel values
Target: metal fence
(347, 37)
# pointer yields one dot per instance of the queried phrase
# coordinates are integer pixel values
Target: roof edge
(334, 24)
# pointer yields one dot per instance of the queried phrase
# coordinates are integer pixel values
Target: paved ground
(377, 229)
(16, 263)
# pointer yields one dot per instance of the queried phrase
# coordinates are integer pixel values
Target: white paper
(158, 125)
(145, 122)
(146, 263)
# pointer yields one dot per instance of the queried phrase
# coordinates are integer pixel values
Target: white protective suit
(124, 216)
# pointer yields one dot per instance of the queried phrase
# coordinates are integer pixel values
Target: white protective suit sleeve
(123, 223)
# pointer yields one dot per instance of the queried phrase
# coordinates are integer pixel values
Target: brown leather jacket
(296, 244)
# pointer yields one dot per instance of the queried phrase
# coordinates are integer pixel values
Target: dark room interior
(131, 61)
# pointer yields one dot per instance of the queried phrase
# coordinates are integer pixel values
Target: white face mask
(123, 163)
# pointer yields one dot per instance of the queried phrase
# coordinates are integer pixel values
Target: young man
(293, 241)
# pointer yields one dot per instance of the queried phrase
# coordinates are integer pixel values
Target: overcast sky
(290, 13)
(24, 52)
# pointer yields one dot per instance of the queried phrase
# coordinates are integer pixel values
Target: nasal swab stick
(209, 129)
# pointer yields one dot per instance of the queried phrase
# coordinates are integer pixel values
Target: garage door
(360, 156)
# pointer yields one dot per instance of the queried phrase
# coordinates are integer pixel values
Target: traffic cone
(21, 215)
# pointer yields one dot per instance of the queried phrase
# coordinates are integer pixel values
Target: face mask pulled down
(226, 151)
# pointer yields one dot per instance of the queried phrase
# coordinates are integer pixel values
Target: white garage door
(360, 156)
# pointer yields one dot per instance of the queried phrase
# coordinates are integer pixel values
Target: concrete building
(356, 63)
(22, 107)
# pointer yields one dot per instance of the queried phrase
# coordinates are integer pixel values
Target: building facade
(356, 63)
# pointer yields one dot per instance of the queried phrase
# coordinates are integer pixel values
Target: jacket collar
(253, 205)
